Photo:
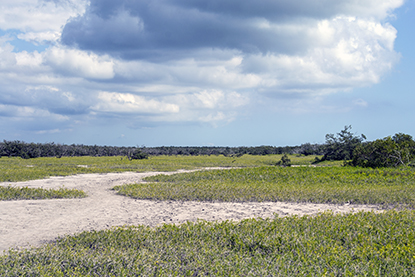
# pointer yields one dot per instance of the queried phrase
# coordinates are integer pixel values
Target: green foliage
(36, 150)
(285, 161)
(336, 185)
(25, 193)
(341, 146)
(137, 155)
(387, 152)
(361, 244)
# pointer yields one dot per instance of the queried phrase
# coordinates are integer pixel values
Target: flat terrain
(26, 223)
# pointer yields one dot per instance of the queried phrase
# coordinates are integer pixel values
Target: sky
(205, 72)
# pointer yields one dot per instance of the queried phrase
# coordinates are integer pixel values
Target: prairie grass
(336, 185)
(360, 244)
(18, 169)
(25, 193)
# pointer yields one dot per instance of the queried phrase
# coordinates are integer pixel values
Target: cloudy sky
(205, 72)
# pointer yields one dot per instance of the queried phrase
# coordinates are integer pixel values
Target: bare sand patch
(26, 223)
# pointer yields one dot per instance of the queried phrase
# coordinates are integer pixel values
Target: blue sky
(205, 72)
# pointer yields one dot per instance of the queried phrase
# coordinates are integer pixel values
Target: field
(358, 244)
(17, 169)
(335, 185)
(362, 244)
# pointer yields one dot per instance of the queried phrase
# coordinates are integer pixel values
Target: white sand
(25, 223)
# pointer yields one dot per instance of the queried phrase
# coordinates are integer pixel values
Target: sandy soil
(27, 223)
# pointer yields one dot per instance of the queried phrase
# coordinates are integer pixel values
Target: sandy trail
(25, 223)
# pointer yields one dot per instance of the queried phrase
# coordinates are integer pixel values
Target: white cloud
(80, 63)
(37, 15)
(360, 103)
(355, 53)
(215, 99)
(48, 37)
(24, 59)
(27, 112)
(114, 102)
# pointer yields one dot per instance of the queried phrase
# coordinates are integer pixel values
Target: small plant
(285, 161)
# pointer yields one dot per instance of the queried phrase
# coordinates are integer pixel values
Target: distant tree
(285, 161)
(307, 149)
(341, 146)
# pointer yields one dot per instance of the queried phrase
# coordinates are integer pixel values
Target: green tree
(341, 146)
(285, 161)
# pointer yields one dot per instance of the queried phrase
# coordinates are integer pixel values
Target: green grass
(18, 169)
(337, 185)
(25, 193)
(361, 244)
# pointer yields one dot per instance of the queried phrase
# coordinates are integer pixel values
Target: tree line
(353, 149)
(35, 150)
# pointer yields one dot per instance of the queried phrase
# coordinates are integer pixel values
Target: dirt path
(26, 223)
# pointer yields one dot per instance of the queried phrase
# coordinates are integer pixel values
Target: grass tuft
(25, 193)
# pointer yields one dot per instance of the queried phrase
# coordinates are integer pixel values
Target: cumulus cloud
(272, 46)
(75, 62)
(129, 103)
(157, 26)
(187, 60)
(38, 15)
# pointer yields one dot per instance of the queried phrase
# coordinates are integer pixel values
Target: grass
(337, 185)
(18, 169)
(25, 193)
(360, 244)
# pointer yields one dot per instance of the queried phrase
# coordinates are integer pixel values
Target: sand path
(25, 223)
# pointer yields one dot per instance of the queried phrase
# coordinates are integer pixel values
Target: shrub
(285, 161)
(137, 155)
(386, 152)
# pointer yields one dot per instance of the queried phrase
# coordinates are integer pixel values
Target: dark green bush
(387, 152)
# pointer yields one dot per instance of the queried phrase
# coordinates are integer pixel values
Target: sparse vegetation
(337, 185)
(361, 244)
(18, 169)
(20, 193)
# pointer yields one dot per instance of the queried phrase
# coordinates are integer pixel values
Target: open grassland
(337, 185)
(361, 244)
(18, 169)
(24, 193)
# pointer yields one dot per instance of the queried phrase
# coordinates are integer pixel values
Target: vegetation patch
(15, 169)
(390, 187)
(25, 193)
(360, 244)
